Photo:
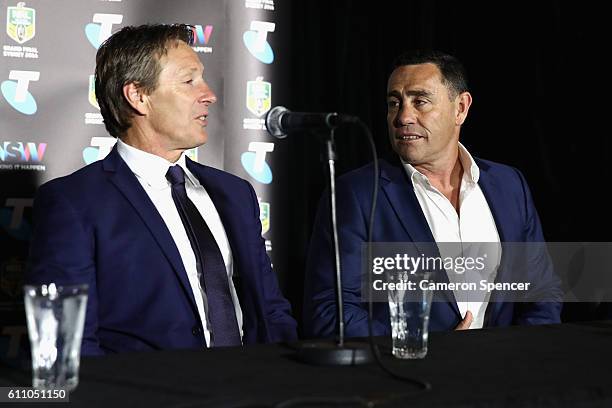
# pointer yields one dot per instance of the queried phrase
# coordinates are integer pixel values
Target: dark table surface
(545, 366)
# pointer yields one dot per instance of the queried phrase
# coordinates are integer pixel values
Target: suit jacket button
(196, 330)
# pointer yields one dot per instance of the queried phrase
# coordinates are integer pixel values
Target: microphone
(280, 121)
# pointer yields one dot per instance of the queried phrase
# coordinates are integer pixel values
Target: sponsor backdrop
(50, 123)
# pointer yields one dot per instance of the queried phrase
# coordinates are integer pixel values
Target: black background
(539, 77)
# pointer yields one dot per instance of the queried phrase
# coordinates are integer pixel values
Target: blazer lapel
(125, 181)
(501, 215)
(496, 201)
(400, 192)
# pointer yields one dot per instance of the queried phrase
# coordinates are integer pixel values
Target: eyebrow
(415, 92)
(190, 70)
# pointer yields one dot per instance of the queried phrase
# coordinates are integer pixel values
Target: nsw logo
(254, 161)
(22, 152)
(21, 23)
(98, 33)
(201, 36)
(256, 41)
(16, 92)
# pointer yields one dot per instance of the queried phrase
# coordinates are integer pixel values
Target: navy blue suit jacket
(399, 218)
(98, 226)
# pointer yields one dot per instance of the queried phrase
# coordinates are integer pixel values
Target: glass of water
(409, 307)
(55, 317)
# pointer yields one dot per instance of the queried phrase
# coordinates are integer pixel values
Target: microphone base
(329, 353)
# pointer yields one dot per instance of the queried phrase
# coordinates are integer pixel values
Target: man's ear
(135, 97)
(462, 103)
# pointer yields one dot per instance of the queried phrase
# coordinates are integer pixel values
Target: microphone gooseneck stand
(338, 352)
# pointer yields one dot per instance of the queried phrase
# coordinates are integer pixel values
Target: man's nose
(207, 96)
(406, 115)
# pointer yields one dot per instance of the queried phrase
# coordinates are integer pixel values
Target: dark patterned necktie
(209, 263)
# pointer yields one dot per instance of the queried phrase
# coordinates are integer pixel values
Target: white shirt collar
(149, 167)
(467, 162)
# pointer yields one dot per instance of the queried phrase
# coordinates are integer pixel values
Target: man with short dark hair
(171, 249)
(434, 192)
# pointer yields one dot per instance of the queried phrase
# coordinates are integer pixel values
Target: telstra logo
(256, 41)
(98, 33)
(100, 147)
(12, 218)
(17, 94)
(202, 35)
(254, 161)
(23, 152)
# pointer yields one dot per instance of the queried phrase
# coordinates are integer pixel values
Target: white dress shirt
(150, 170)
(473, 223)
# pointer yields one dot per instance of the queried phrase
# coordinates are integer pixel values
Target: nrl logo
(264, 216)
(192, 154)
(259, 96)
(92, 92)
(21, 22)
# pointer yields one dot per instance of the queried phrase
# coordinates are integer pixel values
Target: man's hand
(466, 322)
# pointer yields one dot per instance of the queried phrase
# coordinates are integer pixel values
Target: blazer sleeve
(320, 311)
(281, 325)
(62, 251)
(546, 286)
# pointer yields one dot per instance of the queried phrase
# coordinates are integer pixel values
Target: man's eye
(392, 104)
(190, 81)
(420, 102)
